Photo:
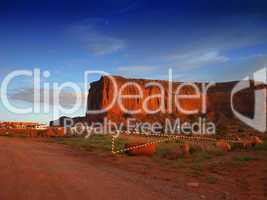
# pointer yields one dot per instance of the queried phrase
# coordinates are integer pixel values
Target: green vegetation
(212, 179)
(196, 166)
(202, 156)
(93, 143)
(164, 148)
(261, 147)
(243, 158)
(168, 155)
(238, 161)
(161, 152)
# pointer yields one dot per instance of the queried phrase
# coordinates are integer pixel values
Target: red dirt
(32, 169)
(31, 132)
(38, 170)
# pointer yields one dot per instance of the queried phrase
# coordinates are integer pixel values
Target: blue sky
(200, 40)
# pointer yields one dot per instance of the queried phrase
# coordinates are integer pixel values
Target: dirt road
(36, 170)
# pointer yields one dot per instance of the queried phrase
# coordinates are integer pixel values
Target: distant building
(33, 125)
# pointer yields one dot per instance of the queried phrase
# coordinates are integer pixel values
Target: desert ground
(75, 168)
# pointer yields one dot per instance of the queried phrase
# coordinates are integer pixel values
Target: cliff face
(102, 93)
(217, 100)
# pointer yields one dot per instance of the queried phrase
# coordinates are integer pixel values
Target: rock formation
(216, 99)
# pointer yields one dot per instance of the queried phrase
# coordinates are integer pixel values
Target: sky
(200, 40)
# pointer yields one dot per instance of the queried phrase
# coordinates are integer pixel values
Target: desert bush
(223, 145)
(146, 150)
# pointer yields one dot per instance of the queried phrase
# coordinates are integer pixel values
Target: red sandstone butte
(101, 94)
(216, 100)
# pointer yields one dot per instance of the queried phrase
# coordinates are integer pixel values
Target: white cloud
(137, 68)
(240, 68)
(197, 59)
(66, 98)
(139, 71)
(103, 45)
(259, 55)
(95, 42)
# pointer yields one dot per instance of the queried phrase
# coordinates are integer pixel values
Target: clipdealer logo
(258, 121)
